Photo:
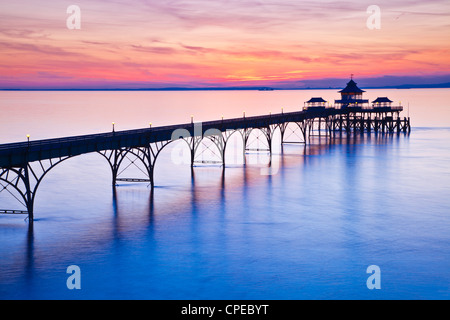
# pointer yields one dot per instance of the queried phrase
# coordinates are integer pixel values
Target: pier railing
(233, 123)
(356, 108)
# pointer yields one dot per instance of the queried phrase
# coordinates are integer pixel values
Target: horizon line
(243, 88)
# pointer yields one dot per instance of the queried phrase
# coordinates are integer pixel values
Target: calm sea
(309, 230)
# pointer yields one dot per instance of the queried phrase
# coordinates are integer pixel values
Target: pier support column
(23, 182)
(121, 159)
(29, 197)
(265, 132)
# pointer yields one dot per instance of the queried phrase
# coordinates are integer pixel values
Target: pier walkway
(23, 165)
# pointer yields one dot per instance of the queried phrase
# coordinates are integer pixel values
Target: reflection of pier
(24, 165)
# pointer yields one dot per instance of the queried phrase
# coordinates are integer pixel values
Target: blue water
(309, 231)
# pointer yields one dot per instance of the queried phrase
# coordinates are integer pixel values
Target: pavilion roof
(316, 99)
(381, 99)
(351, 88)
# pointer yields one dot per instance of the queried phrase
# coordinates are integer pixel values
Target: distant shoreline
(439, 86)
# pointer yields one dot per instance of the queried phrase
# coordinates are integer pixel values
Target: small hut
(382, 102)
(315, 102)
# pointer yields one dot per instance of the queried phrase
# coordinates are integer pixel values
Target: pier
(24, 165)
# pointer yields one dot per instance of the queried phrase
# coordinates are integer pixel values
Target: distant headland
(243, 88)
(384, 82)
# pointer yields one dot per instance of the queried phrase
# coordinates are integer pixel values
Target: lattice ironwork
(24, 182)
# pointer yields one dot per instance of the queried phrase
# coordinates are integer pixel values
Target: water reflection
(29, 259)
(201, 191)
(308, 231)
(211, 201)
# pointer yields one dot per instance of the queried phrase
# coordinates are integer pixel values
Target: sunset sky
(134, 44)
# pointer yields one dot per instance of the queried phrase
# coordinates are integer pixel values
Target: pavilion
(382, 102)
(351, 96)
(315, 102)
